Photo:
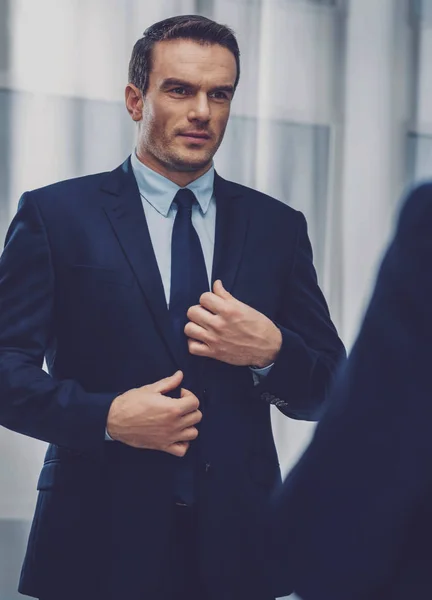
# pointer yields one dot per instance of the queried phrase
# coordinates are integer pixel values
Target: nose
(200, 109)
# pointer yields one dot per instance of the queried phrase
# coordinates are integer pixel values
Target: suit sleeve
(311, 351)
(359, 499)
(31, 401)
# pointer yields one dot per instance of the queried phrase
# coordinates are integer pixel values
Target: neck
(180, 178)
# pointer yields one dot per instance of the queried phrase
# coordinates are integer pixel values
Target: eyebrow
(173, 82)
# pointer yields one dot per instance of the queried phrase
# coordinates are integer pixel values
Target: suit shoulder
(416, 214)
(264, 202)
(76, 188)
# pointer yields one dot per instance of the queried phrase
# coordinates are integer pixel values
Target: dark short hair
(188, 27)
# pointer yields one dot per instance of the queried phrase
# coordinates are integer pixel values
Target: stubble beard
(161, 149)
(176, 161)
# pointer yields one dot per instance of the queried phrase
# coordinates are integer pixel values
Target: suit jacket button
(267, 397)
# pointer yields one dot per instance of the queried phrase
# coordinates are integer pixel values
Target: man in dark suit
(167, 302)
(354, 518)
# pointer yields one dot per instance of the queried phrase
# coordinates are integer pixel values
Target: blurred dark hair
(188, 27)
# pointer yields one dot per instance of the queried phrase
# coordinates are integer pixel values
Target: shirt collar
(159, 191)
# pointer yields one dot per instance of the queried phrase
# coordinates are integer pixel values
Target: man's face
(187, 104)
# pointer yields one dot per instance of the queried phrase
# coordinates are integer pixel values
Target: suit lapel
(232, 220)
(124, 209)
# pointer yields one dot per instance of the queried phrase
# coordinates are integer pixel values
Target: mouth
(195, 137)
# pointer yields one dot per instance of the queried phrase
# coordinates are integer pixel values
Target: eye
(219, 95)
(180, 91)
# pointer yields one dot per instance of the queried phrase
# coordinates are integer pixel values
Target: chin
(191, 163)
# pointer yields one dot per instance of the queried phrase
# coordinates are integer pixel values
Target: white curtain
(333, 116)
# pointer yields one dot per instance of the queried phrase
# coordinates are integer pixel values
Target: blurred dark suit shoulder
(354, 519)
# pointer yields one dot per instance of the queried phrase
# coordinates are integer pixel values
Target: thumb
(167, 384)
(220, 291)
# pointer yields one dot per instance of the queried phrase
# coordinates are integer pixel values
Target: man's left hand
(223, 328)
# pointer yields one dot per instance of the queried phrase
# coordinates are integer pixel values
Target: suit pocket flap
(48, 475)
(66, 474)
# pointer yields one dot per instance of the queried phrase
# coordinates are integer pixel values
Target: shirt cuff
(108, 438)
(259, 373)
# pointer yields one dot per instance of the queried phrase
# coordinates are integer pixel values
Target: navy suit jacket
(79, 284)
(354, 518)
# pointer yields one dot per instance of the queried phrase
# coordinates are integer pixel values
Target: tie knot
(185, 198)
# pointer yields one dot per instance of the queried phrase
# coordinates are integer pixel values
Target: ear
(134, 101)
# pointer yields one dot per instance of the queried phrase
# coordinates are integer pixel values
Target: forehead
(194, 62)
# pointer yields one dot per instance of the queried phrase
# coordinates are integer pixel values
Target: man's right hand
(145, 418)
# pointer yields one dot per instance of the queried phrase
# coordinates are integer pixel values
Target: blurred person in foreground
(354, 518)
(172, 307)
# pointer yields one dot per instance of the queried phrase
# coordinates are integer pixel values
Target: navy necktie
(188, 270)
(188, 281)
